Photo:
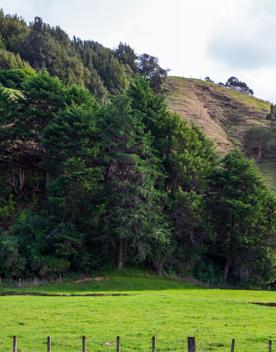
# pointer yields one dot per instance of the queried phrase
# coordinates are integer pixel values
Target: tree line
(96, 172)
(102, 71)
(235, 84)
(86, 185)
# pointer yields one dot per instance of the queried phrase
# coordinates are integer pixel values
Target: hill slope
(222, 113)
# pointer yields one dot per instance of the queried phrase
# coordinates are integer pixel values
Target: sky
(192, 38)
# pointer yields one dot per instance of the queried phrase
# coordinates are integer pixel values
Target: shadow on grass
(109, 281)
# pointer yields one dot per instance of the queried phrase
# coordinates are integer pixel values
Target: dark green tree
(12, 264)
(149, 68)
(133, 215)
(259, 142)
(186, 158)
(15, 77)
(126, 55)
(242, 213)
(240, 86)
(9, 60)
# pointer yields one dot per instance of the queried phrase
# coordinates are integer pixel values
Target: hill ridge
(222, 113)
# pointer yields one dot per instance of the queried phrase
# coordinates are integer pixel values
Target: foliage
(149, 68)
(49, 48)
(242, 214)
(240, 86)
(7, 208)
(260, 143)
(87, 63)
(208, 79)
(133, 215)
(86, 184)
(9, 60)
(13, 78)
(126, 55)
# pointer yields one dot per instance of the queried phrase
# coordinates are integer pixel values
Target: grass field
(167, 308)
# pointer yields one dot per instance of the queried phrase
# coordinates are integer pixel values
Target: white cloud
(218, 38)
(247, 44)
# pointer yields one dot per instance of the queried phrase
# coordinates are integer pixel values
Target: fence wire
(129, 343)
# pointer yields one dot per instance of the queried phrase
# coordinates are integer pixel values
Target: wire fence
(127, 344)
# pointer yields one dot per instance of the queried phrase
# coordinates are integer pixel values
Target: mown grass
(167, 308)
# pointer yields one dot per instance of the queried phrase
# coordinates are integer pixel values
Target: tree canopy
(242, 216)
(240, 86)
(97, 172)
(87, 63)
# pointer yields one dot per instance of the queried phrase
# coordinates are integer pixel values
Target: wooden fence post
(191, 344)
(83, 344)
(14, 344)
(49, 345)
(269, 346)
(118, 344)
(233, 345)
(153, 344)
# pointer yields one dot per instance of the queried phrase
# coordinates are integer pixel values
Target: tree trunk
(47, 179)
(120, 255)
(226, 270)
(259, 155)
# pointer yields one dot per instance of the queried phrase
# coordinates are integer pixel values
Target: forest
(96, 172)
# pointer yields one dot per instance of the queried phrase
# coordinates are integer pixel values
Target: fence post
(49, 345)
(83, 344)
(14, 344)
(191, 344)
(233, 345)
(118, 344)
(153, 344)
(269, 346)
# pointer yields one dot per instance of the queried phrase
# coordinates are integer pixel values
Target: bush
(15, 77)
(206, 272)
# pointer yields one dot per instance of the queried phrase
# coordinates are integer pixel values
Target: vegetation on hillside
(229, 118)
(235, 84)
(86, 185)
(88, 182)
(84, 62)
(260, 143)
(223, 114)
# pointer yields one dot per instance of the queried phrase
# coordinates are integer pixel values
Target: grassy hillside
(166, 308)
(222, 113)
(268, 170)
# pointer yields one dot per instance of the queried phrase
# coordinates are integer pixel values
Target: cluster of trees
(260, 143)
(238, 85)
(103, 71)
(85, 185)
(234, 83)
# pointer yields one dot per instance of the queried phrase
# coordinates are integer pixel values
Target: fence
(118, 346)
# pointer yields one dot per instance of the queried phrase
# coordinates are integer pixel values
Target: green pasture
(146, 306)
